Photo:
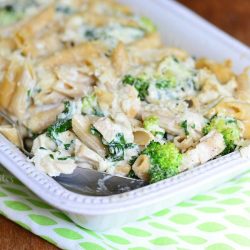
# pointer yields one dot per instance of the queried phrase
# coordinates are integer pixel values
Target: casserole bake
(184, 125)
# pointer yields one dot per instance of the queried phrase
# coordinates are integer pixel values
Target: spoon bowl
(90, 182)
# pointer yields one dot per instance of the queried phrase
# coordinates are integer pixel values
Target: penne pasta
(43, 46)
(73, 89)
(34, 25)
(222, 71)
(48, 97)
(122, 170)
(141, 167)
(142, 137)
(130, 103)
(237, 109)
(7, 45)
(246, 129)
(243, 88)
(78, 54)
(11, 134)
(20, 98)
(9, 84)
(40, 120)
(81, 126)
(120, 59)
(104, 97)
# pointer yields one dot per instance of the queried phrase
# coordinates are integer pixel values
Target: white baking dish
(179, 28)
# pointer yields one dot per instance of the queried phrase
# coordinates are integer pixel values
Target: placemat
(217, 220)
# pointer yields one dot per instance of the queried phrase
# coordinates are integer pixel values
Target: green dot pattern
(42, 220)
(193, 240)
(215, 220)
(183, 219)
(17, 205)
(211, 227)
(211, 209)
(136, 232)
(91, 246)
(163, 241)
(68, 233)
(117, 239)
(219, 246)
(239, 239)
(238, 220)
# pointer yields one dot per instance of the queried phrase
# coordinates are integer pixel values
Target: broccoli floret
(165, 84)
(147, 25)
(90, 106)
(151, 124)
(8, 15)
(228, 127)
(166, 81)
(165, 160)
(140, 84)
(62, 124)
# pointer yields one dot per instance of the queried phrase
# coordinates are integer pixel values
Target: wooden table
(231, 16)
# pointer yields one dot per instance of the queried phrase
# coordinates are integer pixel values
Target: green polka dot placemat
(218, 220)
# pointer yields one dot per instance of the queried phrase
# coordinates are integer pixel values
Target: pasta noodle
(141, 167)
(243, 88)
(123, 170)
(34, 26)
(222, 71)
(40, 120)
(9, 83)
(120, 59)
(77, 54)
(237, 109)
(142, 136)
(81, 127)
(11, 134)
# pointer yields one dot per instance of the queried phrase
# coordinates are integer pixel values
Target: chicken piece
(109, 128)
(86, 156)
(210, 146)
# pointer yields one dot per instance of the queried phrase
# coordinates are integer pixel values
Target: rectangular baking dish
(179, 28)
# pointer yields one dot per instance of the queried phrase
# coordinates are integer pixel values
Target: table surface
(231, 16)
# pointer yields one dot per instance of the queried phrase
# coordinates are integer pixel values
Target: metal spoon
(86, 181)
(90, 182)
